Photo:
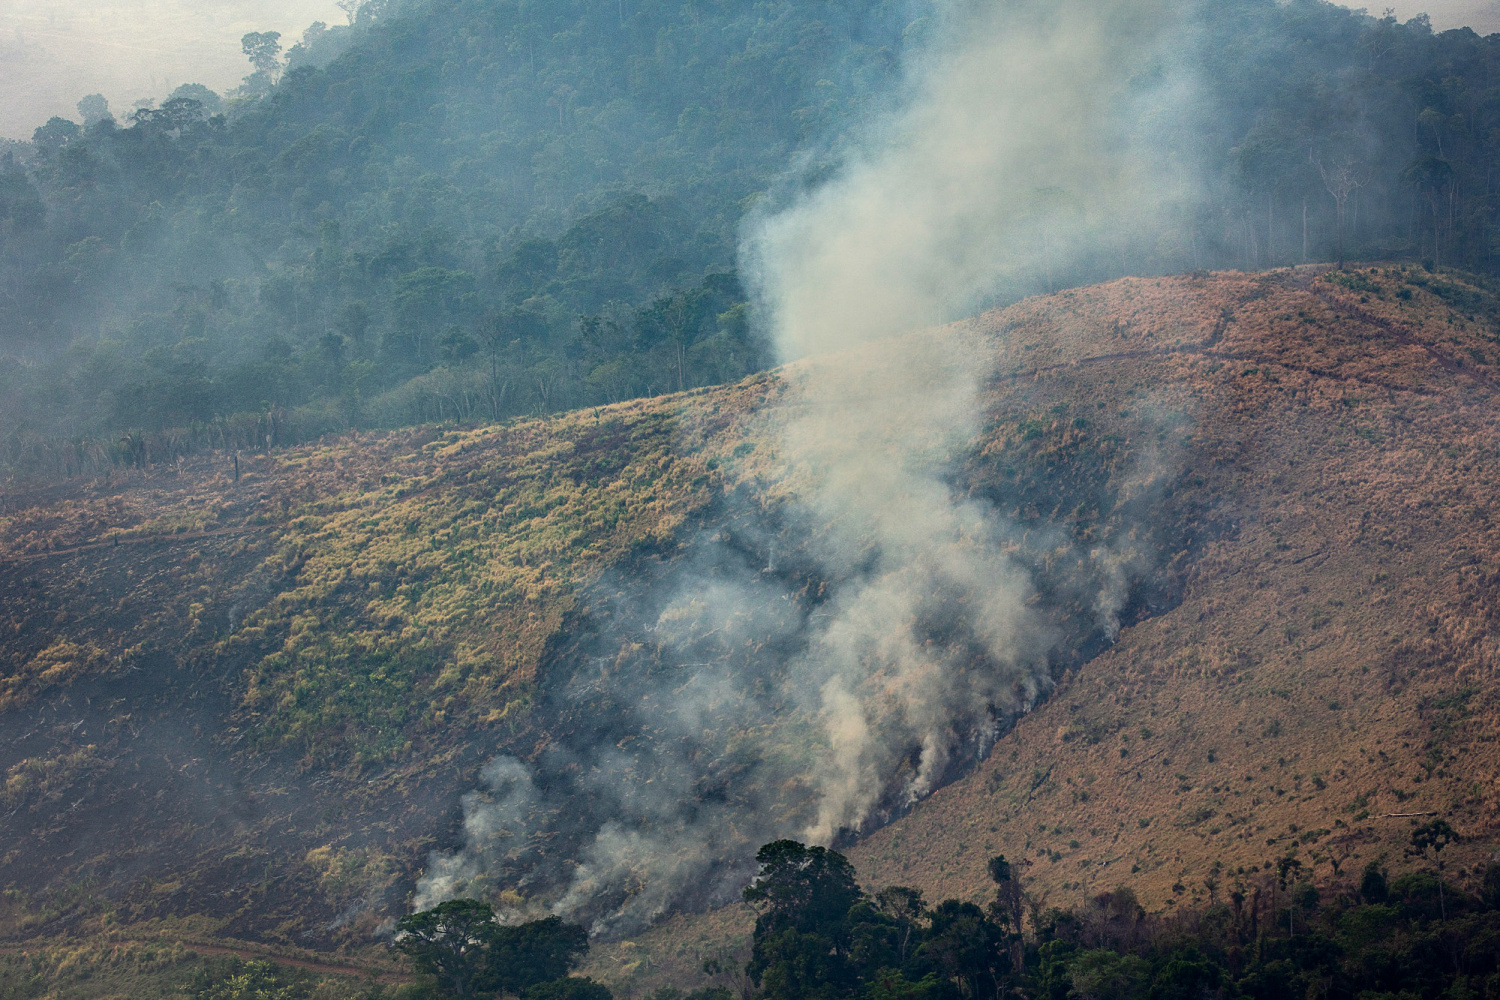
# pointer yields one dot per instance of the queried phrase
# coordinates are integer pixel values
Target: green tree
(568, 988)
(263, 49)
(1431, 176)
(906, 909)
(451, 942)
(803, 895)
(967, 947)
(252, 981)
(212, 102)
(539, 951)
(93, 109)
(1372, 885)
(1009, 907)
(806, 888)
(1107, 975)
(50, 138)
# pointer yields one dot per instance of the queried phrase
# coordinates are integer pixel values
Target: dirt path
(246, 952)
(186, 536)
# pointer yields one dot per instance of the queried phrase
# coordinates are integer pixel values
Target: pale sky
(1481, 15)
(52, 52)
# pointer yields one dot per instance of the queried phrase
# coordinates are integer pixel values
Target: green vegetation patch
(429, 601)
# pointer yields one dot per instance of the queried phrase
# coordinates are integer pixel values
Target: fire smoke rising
(1025, 143)
(1035, 140)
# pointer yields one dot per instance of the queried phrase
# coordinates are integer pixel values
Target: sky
(1481, 15)
(52, 52)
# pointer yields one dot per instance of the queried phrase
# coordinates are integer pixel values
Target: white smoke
(1037, 138)
(1031, 139)
(496, 818)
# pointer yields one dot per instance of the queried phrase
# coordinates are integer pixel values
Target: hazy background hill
(486, 208)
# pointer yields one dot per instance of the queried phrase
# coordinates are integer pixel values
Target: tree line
(819, 936)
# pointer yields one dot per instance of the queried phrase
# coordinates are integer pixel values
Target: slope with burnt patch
(250, 708)
(1323, 682)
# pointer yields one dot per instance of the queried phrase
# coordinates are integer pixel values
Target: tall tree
(451, 942)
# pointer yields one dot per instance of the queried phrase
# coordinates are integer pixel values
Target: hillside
(246, 709)
(1326, 680)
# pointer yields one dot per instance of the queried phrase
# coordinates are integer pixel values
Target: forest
(460, 210)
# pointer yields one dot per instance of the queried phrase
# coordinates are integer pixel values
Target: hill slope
(1326, 682)
(250, 708)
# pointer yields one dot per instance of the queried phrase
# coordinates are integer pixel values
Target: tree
(906, 908)
(1287, 869)
(967, 947)
(1009, 906)
(212, 102)
(568, 988)
(451, 941)
(460, 943)
(524, 955)
(263, 49)
(1434, 837)
(807, 888)
(426, 299)
(93, 109)
(353, 322)
(1340, 178)
(1372, 886)
(174, 117)
(1107, 975)
(252, 981)
(350, 9)
(1430, 176)
(674, 320)
(795, 965)
(801, 940)
(50, 138)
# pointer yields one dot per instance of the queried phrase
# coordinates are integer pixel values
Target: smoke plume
(1023, 145)
(865, 626)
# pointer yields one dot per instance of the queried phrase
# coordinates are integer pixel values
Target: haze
(52, 52)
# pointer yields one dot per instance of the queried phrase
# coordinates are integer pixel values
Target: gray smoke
(1031, 139)
(1035, 139)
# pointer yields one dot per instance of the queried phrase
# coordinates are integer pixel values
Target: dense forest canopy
(483, 208)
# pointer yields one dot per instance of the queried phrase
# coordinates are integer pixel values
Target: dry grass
(1331, 665)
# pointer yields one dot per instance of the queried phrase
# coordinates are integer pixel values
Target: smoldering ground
(690, 707)
(860, 619)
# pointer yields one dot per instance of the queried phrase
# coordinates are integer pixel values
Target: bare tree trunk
(1271, 229)
(1436, 230)
(1304, 230)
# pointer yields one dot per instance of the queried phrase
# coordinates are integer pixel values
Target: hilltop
(243, 708)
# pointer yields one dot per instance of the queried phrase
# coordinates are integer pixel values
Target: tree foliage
(460, 944)
(1385, 940)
